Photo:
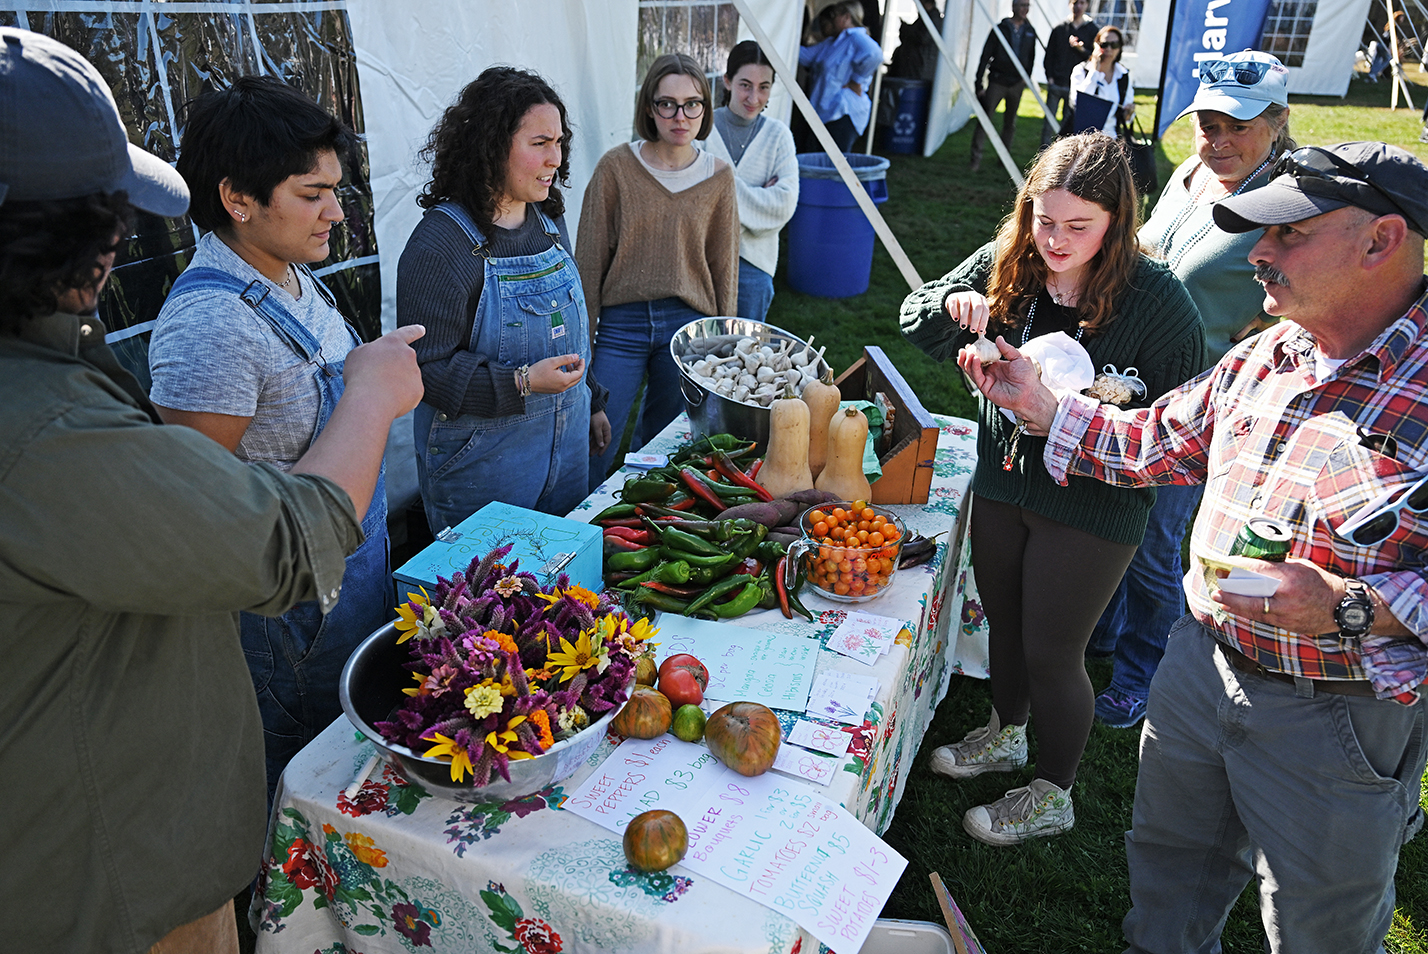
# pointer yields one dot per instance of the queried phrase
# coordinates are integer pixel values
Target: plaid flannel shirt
(1269, 438)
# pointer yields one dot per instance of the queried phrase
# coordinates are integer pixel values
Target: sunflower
(502, 741)
(419, 618)
(583, 655)
(448, 748)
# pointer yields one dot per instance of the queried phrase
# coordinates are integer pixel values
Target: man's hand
(1305, 600)
(599, 433)
(1013, 383)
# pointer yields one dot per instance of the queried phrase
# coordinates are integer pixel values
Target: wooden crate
(907, 464)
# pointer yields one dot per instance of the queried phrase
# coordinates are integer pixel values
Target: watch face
(1354, 617)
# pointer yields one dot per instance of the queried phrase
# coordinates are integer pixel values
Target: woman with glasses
(842, 65)
(1240, 117)
(1048, 557)
(249, 350)
(1103, 77)
(488, 271)
(658, 247)
(760, 148)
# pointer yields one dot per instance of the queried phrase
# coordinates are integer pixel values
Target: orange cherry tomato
(875, 539)
(820, 529)
(840, 514)
(841, 588)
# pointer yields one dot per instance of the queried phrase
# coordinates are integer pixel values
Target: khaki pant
(215, 933)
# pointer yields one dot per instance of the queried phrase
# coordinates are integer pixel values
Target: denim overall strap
(257, 296)
(531, 307)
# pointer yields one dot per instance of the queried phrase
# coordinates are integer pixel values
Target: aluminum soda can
(1262, 539)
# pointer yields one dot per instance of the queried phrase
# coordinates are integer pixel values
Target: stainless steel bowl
(711, 413)
(371, 687)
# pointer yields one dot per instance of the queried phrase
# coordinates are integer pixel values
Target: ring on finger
(1266, 606)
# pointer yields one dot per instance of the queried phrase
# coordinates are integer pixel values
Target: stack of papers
(865, 637)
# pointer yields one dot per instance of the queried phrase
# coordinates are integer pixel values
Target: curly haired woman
(488, 271)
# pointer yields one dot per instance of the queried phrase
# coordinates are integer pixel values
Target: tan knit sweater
(640, 242)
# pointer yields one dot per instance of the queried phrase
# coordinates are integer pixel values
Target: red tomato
(688, 662)
(681, 688)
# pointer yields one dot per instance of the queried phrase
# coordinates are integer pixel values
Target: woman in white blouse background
(1103, 76)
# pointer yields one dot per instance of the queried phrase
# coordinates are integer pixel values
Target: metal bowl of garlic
(731, 369)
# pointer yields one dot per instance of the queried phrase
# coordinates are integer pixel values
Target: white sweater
(762, 212)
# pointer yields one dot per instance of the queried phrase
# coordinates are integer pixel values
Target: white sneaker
(989, 748)
(1035, 811)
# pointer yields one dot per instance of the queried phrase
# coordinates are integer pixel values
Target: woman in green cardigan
(1047, 557)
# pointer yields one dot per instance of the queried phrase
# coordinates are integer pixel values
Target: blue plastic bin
(830, 241)
(909, 122)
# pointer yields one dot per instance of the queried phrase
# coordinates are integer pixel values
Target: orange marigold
(506, 643)
(541, 720)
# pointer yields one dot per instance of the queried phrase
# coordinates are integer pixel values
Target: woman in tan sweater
(658, 247)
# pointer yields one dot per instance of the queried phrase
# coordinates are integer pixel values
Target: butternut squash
(843, 474)
(822, 398)
(785, 468)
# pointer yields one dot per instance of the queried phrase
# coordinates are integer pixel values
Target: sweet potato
(775, 513)
(810, 498)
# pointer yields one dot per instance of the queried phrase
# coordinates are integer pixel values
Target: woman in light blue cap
(1241, 125)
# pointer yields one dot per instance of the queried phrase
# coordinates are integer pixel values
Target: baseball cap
(1312, 180)
(61, 136)
(1241, 85)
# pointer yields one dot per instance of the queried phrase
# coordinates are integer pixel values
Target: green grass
(1067, 893)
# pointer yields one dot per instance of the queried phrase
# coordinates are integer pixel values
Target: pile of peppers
(665, 550)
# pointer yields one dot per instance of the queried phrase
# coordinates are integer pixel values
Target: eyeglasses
(1249, 73)
(1376, 520)
(1321, 172)
(666, 108)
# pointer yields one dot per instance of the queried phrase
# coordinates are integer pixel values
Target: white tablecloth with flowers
(394, 868)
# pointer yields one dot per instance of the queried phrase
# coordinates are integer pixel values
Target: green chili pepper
(641, 559)
(717, 590)
(749, 542)
(793, 602)
(672, 571)
(696, 559)
(747, 599)
(678, 539)
(614, 511)
(661, 601)
(645, 489)
(770, 550)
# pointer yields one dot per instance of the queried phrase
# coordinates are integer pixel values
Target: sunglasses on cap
(1377, 520)
(1319, 172)
(1248, 73)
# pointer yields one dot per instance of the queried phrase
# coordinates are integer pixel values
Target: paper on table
(812, 766)
(824, 738)
(743, 663)
(842, 696)
(865, 637)
(769, 838)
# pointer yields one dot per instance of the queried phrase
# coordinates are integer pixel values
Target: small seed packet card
(816, 735)
(811, 766)
(646, 461)
(864, 637)
(841, 696)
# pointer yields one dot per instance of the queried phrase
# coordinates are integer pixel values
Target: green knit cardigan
(1156, 329)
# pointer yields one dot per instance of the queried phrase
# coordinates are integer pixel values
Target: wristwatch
(1354, 614)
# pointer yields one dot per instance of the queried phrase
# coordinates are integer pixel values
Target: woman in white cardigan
(1103, 76)
(760, 148)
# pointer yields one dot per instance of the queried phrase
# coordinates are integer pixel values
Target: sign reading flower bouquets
(504, 667)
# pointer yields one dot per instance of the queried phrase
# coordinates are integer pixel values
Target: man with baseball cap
(1285, 738)
(127, 714)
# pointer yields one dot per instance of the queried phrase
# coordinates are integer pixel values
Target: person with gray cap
(127, 549)
(1240, 127)
(1285, 737)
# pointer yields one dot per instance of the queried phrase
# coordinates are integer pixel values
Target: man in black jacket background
(1070, 43)
(1002, 81)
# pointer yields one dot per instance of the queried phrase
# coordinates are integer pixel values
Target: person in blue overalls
(511, 413)
(249, 349)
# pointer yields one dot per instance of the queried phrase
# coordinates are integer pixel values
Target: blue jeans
(632, 345)
(1245, 777)
(755, 292)
(1151, 596)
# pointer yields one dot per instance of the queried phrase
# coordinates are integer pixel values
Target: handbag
(1140, 150)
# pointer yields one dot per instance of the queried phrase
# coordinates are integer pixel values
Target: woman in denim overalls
(509, 414)
(249, 349)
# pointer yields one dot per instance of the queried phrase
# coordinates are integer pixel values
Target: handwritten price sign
(750, 664)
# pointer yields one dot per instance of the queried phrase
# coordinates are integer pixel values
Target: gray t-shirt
(211, 353)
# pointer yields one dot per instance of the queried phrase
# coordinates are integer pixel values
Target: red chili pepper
(750, 565)
(725, 466)
(701, 490)
(621, 522)
(686, 504)
(780, 588)
(754, 470)
(683, 592)
(616, 544)
(630, 533)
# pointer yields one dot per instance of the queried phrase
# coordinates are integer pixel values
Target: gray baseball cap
(61, 136)
(1312, 180)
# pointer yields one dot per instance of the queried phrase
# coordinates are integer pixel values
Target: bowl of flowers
(493, 686)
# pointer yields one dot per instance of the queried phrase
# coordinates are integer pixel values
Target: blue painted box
(546, 546)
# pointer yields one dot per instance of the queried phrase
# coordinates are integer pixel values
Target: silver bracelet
(523, 373)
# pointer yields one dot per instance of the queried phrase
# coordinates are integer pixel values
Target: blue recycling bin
(830, 241)
(909, 115)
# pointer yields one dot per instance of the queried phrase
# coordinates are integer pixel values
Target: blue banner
(1203, 30)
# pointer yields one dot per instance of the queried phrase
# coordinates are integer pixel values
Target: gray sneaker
(989, 748)
(1035, 811)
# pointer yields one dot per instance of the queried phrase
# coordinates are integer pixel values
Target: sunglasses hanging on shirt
(1377, 520)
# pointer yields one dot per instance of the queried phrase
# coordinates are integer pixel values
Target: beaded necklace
(1163, 247)
(1021, 425)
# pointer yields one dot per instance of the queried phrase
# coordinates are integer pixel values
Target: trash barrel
(908, 127)
(830, 241)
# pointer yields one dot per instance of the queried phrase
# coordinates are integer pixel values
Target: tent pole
(878, 76)
(820, 131)
(1164, 64)
(1016, 61)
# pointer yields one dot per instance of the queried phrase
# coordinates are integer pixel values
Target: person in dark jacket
(997, 76)
(1070, 43)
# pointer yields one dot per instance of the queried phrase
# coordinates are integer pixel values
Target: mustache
(1268, 273)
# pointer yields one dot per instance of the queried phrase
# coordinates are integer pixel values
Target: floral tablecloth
(393, 868)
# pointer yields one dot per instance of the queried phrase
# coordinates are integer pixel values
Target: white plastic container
(894, 936)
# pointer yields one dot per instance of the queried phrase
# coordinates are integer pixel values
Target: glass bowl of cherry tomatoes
(849, 550)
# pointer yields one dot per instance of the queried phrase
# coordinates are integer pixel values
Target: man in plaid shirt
(1285, 737)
